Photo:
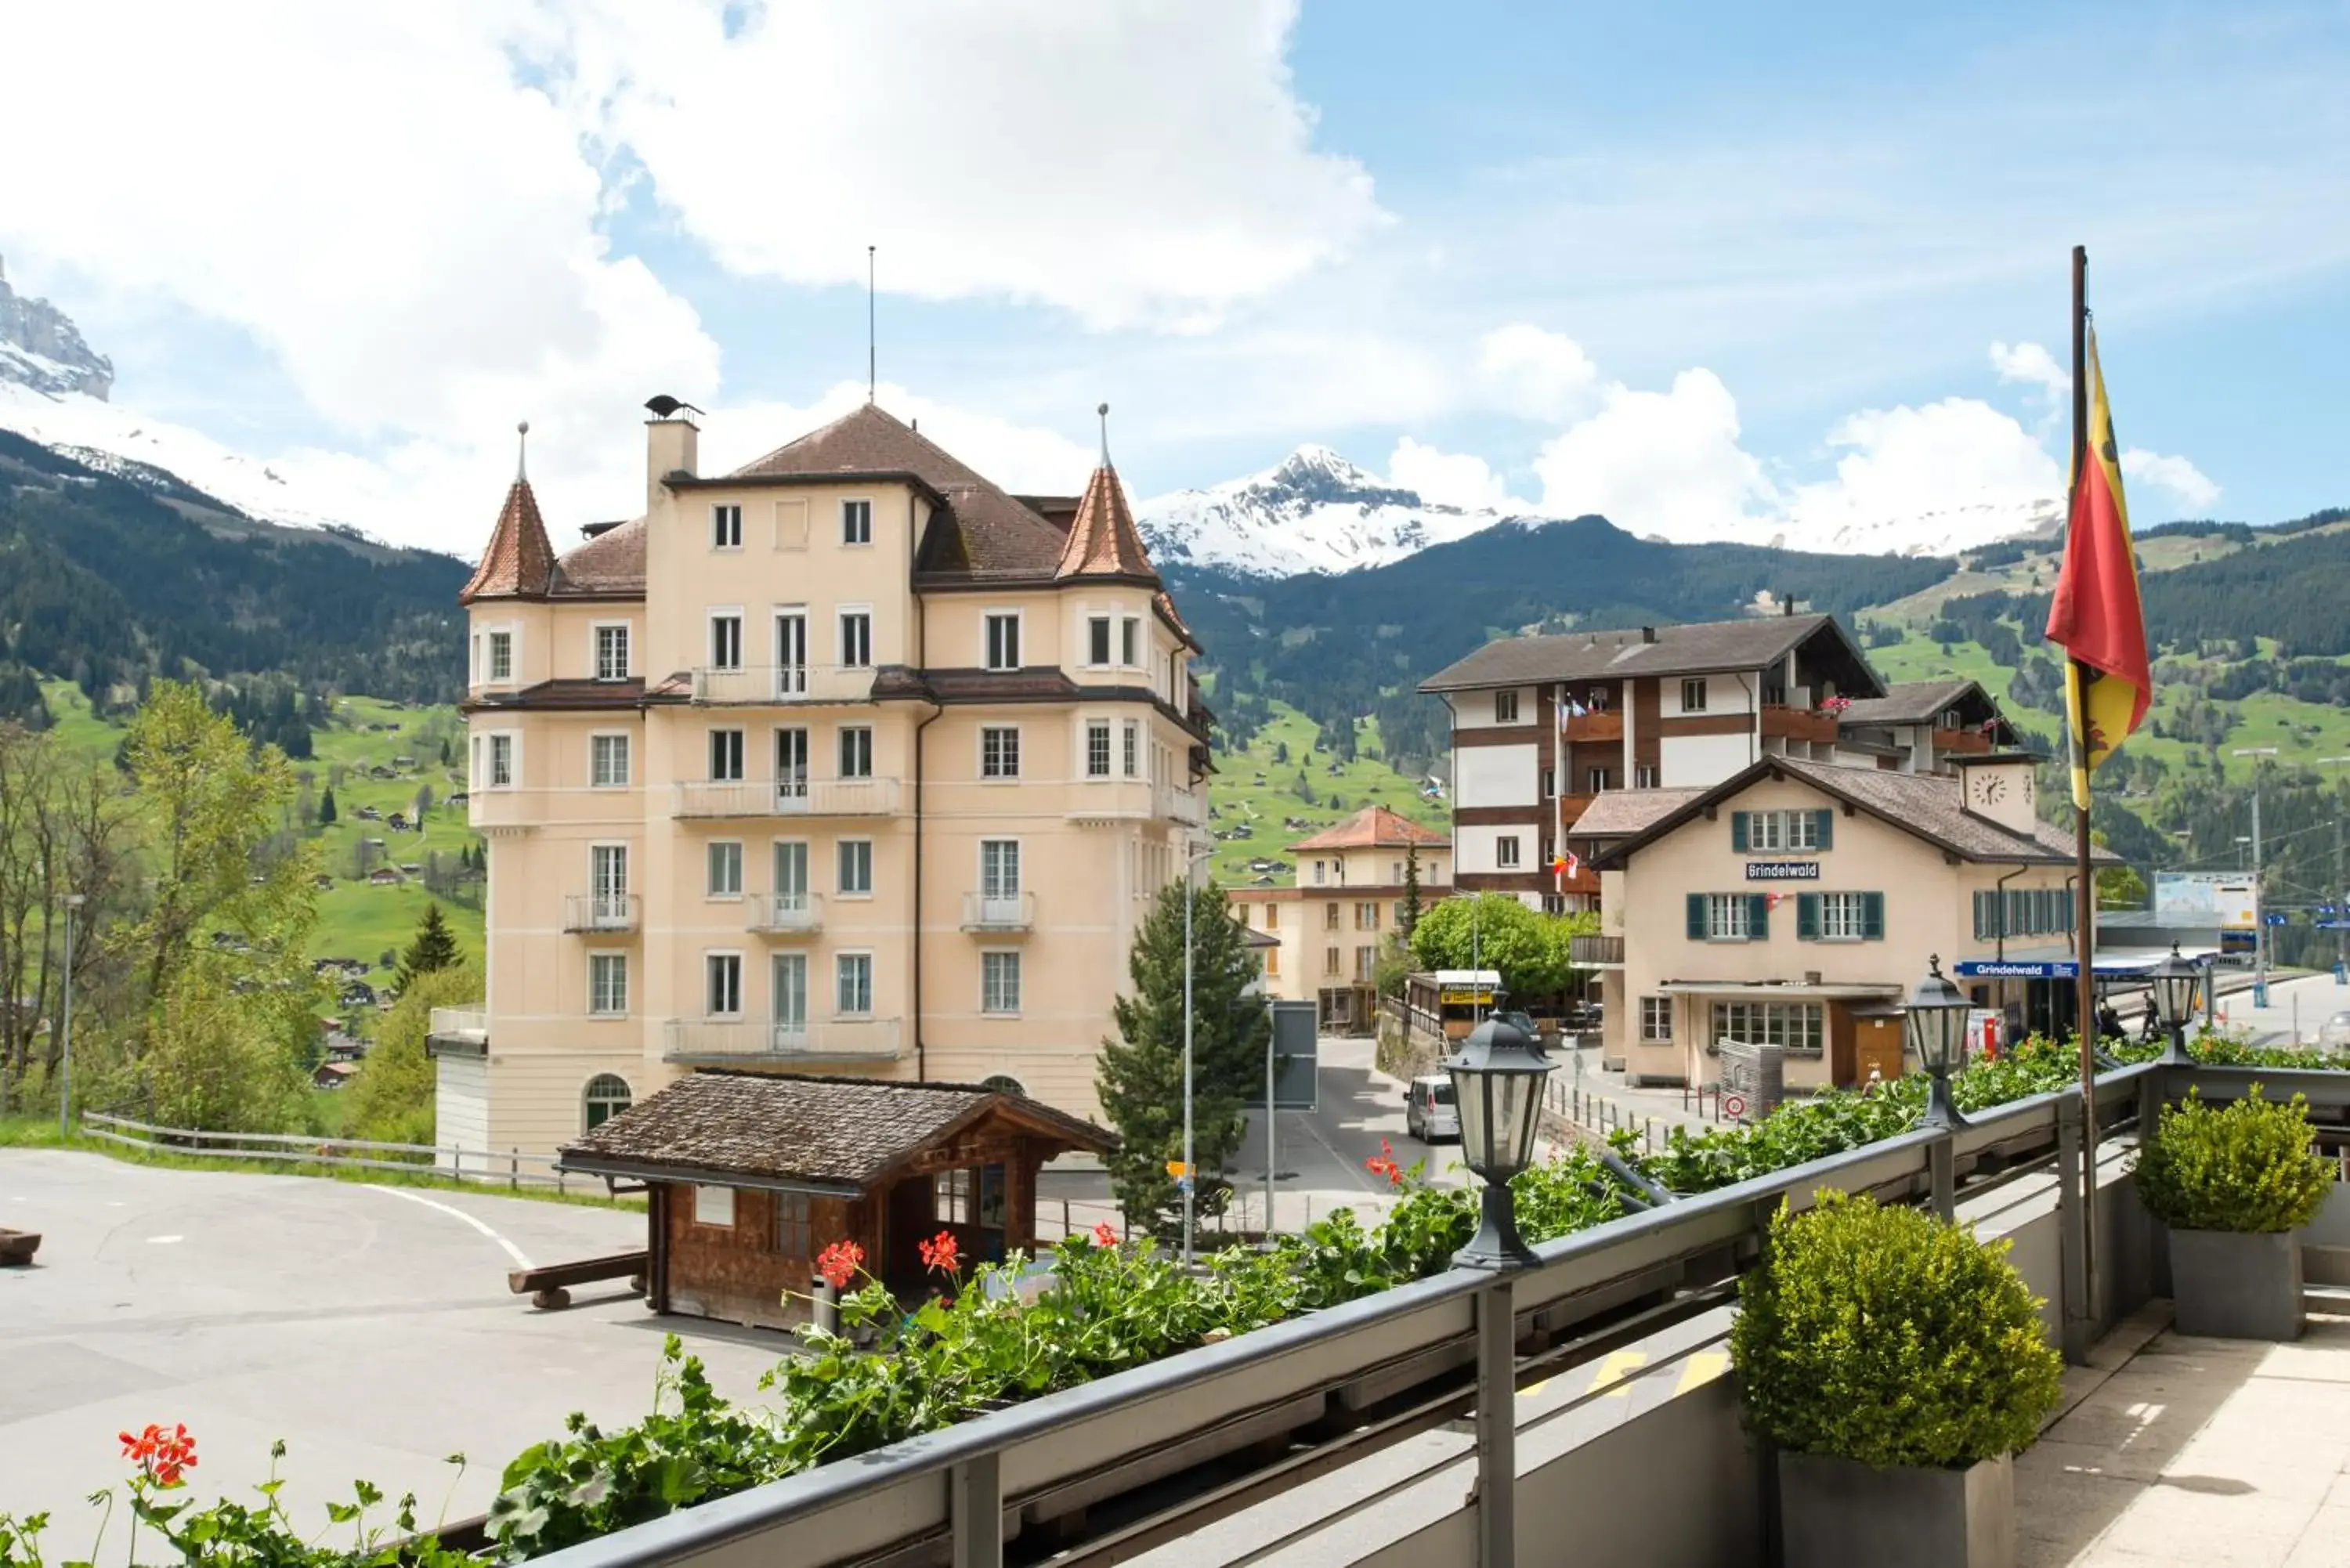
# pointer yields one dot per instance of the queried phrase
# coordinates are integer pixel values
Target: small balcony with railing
(606, 914)
(1786, 723)
(999, 914)
(759, 684)
(1599, 724)
(1180, 805)
(459, 1026)
(766, 797)
(692, 1042)
(1596, 952)
(503, 806)
(785, 914)
(1970, 743)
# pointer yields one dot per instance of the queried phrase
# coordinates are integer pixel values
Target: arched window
(608, 1096)
(1003, 1085)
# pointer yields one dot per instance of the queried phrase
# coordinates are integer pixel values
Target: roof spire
(522, 452)
(1103, 410)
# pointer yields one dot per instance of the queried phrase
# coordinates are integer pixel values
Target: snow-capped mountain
(1314, 511)
(40, 348)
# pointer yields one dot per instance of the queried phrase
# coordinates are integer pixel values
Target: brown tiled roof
(834, 1132)
(1373, 827)
(1041, 683)
(571, 693)
(1691, 649)
(611, 565)
(519, 561)
(1103, 540)
(1909, 702)
(1616, 812)
(1930, 806)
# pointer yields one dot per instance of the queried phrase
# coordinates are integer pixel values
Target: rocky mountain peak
(41, 347)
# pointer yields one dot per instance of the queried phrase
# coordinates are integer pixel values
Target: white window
(1802, 830)
(792, 873)
(612, 652)
(607, 881)
(727, 639)
(1794, 1025)
(607, 985)
(1129, 642)
(951, 1197)
(726, 527)
(1131, 756)
(855, 750)
(725, 857)
(856, 638)
(1763, 829)
(714, 1206)
(855, 856)
(1098, 748)
(500, 656)
(725, 754)
(857, 522)
(1505, 707)
(1767, 831)
(502, 762)
(999, 982)
(795, 1231)
(1003, 642)
(1098, 639)
(853, 985)
(1694, 695)
(999, 752)
(607, 761)
(1726, 917)
(999, 871)
(1644, 776)
(1505, 851)
(1657, 1018)
(723, 984)
(607, 1096)
(1844, 917)
(1321, 872)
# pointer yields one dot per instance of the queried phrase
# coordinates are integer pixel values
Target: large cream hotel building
(846, 762)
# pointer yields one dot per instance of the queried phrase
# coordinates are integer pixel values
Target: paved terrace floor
(2204, 1451)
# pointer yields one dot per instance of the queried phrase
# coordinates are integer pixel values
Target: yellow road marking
(1702, 1367)
(1619, 1366)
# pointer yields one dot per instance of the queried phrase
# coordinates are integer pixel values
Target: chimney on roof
(672, 444)
(1786, 607)
(1647, 634)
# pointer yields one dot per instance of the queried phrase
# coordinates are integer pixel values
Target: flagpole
(2085, 909)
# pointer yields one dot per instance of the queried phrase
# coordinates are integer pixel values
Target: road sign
(1733, 1105)
(2333, 925)
(2274, 919)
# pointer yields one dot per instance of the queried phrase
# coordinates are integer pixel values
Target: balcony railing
(503, 806)
(786, 914)
(599, 912)
(460, 1025)
(831, 1040)
(1971, 741)
(1571, 808)
(999, 911)
(765, 797)
(1172, 804)
(1798, 724)
(1603, 725)
(1596, 952)
(762, 683)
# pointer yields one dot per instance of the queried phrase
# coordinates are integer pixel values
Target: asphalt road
(369, 1327)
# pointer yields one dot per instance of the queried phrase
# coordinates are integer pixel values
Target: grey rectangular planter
(2231, 1284)
(1839, 1513)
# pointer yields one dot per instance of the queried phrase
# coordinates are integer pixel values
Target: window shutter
(1697, 917)
(1758, 916)
(1825, 829)
(1872, 917)
(1807, 916)
(1738, 832)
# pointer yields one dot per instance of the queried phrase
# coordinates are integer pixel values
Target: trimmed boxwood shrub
(2245, 1166)
(1885, 1335)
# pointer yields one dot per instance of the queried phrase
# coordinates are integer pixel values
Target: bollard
(824, 1305)
(513, 1169)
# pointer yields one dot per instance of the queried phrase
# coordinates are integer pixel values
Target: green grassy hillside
(1280, 777)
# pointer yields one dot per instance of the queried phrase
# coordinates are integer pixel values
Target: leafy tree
(1140, 1076)
(1494, 930)
(392, 1096)
(327, 806)
(434, 948)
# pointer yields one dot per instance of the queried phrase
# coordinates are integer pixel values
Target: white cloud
(1020, 458)
(2176, 475)
(2033, 366)
(1541, 375)
(1959, 460)
(1447, 479)
(1658, 463)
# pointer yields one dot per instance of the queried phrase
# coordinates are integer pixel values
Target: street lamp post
(2176, 983)
(2260, 884)
(1936, 1019)
(74, 901)
(1190, 1168)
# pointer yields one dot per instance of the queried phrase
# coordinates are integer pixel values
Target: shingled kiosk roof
(834, 1136)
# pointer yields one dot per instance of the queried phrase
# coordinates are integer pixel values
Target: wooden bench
(549, 1287)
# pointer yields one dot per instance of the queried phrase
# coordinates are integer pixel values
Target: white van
(1429, 1114)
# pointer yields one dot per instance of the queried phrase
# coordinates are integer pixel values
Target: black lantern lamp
(1497, 1085)
(2178, 991)
(1936, 1024)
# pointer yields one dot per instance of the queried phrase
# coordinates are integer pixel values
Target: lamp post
(1190, 1169)
(2177, 983)
(74, 901)
(1497, 1084)
(1936, 1019)
(2260, 887)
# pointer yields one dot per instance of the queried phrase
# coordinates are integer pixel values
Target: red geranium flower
(839, 1262)
(1384, 1164)
(1103, 1236)
(161, 1455)
(939, 1252)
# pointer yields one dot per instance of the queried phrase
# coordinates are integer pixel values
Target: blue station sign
(2017, 969)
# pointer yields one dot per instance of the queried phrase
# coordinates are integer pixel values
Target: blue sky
(1705, 267)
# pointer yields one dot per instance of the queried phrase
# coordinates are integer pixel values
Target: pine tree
(1410, 889)
(434, 947)
(327, 806)
(1140, 1076)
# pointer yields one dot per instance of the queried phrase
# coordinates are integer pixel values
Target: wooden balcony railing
(1798, 724)
(1604, 725)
